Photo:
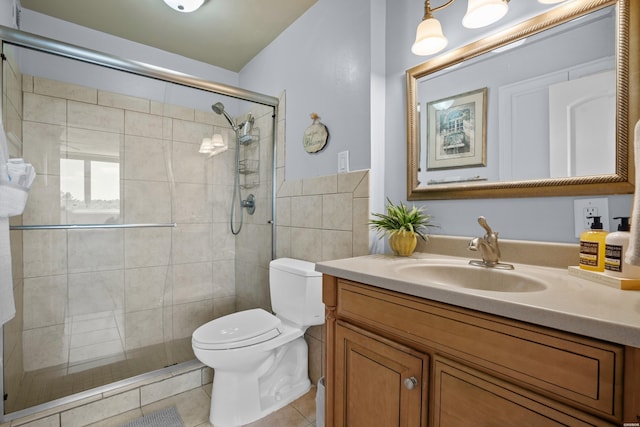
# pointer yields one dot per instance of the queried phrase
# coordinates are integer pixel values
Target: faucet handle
(488, 247)
(483, 222)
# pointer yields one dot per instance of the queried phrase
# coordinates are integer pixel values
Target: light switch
(343, 162)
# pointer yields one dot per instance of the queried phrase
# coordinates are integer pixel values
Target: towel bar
(86, 226)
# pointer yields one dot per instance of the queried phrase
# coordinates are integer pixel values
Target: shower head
(218, 108)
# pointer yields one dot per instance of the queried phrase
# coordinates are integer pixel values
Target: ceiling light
(429, 36)
(184, 5)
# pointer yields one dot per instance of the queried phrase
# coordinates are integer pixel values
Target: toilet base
(240, 398)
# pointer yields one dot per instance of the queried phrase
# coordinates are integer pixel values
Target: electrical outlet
(587, 215)
(585, 208)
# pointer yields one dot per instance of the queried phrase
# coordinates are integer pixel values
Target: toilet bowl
(260, 360)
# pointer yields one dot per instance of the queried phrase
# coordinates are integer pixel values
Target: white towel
(7, 305)
(16, 178)
(633, 252)
(15, 190)
(20, 173)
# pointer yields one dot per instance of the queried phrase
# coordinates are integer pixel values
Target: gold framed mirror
(445, 160)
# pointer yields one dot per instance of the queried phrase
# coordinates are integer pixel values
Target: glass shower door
(125, 246)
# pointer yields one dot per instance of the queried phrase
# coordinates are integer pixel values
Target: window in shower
(90, 191)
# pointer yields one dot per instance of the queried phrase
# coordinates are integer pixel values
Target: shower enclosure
(125, 246)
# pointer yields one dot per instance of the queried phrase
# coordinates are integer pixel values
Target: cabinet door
(378, 382)
(464, 397)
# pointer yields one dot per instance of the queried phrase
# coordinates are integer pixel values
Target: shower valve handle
(250, 204)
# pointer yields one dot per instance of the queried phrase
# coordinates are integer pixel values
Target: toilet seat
(237, 330)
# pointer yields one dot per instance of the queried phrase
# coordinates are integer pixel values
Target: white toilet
(259, 359)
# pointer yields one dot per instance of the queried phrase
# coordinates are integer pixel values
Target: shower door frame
(47, 45)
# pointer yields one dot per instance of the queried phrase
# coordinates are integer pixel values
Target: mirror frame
(627, 109)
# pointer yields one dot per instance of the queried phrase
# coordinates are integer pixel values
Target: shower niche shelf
(249, 163)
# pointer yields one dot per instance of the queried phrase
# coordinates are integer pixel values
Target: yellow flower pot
(403, 243)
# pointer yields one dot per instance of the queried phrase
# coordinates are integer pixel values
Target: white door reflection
(582, 117)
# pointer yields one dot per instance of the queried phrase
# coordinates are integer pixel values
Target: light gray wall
(332, 61)
(323, 62)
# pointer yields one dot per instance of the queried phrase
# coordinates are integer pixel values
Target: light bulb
(481, 13)
(429, 38)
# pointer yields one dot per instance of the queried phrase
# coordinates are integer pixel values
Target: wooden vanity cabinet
(397, 360)
(384, 383)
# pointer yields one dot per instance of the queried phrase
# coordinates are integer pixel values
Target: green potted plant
(402, 225)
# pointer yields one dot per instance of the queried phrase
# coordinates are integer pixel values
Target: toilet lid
(237, 330)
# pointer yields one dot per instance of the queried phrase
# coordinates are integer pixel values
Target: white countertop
(568, 303)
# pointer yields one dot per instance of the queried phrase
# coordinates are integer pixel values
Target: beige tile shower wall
(141, 285)
(320, 219)
(12, 122)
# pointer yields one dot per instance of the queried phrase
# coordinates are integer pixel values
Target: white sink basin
(470, 277)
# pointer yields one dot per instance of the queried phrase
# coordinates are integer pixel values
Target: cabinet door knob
(410, 383)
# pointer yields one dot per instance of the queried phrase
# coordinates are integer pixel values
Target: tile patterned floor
(193, 407)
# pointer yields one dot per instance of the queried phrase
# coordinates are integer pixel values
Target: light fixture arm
(428, 11)
(429, 36)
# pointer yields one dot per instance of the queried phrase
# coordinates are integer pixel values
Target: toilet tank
(296, 291)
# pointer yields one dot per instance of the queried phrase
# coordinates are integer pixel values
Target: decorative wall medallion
(316, 135)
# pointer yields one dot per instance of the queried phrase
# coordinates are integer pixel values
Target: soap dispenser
(592, 246)
(616, 245)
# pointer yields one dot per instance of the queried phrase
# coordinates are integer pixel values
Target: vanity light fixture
(184, 5)
(480, 13)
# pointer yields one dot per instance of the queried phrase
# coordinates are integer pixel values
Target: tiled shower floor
(45, 385)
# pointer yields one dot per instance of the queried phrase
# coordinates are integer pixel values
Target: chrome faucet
(488, 248)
